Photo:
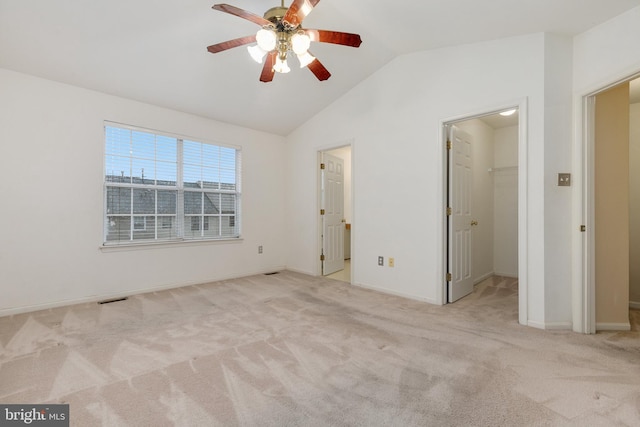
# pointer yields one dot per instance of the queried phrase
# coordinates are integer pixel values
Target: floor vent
(109, 301)
(272, 273)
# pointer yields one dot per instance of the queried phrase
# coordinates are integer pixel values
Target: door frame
(523, 174)
(319, 150)
(584, 283)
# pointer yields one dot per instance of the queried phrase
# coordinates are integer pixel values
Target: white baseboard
(551, 326)
(613, 326)
(558, 326)
(483, 278)
(300, 271)
(106, 296)
(634, 304)
(398, 294)
(509, 275)
(534, 324)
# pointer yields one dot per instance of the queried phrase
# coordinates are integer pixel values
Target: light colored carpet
(290, 349)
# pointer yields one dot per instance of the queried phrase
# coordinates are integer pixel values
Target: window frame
(181, 219)
(144, 223)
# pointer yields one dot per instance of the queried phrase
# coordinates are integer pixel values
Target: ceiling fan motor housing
(275, 14)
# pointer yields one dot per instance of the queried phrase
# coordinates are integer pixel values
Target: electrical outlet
(564, 179)
(380, 260)
(260, 249)
(391, 262)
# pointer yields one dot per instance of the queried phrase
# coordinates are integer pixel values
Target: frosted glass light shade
(300, 43)
(256, 53)
(266, 39)
(281, 66)
(306, 59)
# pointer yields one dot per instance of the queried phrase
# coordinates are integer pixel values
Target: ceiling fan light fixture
(306, 59)
(266, 39)
(256, 53)
(300, 43)
(281, 66)
(281, 34)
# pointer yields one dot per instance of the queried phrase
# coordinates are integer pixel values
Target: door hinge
(448, 211)
(448, 277)
(321, 211)
(448, 144)
(321, 165)
(322, 257)
(583, 228)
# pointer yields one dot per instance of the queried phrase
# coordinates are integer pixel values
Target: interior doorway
(482, 201)
(612, 207)
(336, 212)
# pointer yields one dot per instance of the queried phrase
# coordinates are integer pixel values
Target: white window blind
(167, 188)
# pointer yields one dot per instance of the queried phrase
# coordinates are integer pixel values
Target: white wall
(558, 229)
(51, 166)
(505, 179)
(634, 199)
(394, 118)
(602, 56)
(482, 194)
(607, 53)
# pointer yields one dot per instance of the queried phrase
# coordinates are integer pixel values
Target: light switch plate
(564, 179)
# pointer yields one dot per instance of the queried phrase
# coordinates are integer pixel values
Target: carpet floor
(294, 350)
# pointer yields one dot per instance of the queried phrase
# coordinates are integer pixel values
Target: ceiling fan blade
(241, 13)
(335, 37)
(267, 70)
(298, 10)
(229, 44)
(319, 70)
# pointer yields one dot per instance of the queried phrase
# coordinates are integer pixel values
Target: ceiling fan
(282, 34)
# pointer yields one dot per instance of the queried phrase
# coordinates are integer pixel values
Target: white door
(460, 176)
(333, 219)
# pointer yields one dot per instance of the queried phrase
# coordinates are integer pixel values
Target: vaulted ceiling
(155, 51)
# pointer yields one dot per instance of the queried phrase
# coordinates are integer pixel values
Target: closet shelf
(502, 169)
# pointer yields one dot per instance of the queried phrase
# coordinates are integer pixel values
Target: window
(139, 223)
(168, 188)
(195, 223)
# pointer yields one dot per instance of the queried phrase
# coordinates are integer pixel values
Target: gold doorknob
(474, 222)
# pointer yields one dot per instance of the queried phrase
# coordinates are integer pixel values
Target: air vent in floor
(109, 301)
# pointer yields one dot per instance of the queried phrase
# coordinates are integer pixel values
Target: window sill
(138, 246)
